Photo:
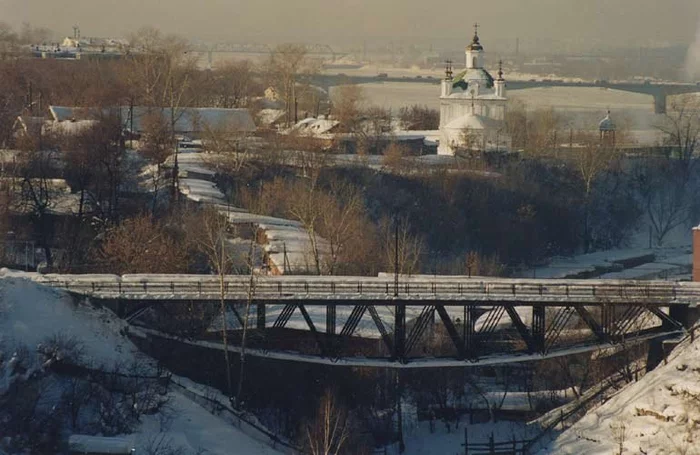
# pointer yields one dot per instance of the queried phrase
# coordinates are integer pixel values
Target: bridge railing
(338, 288)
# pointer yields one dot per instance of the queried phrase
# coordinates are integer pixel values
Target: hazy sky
(583, 24)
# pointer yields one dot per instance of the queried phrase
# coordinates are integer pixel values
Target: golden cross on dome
(476, 28)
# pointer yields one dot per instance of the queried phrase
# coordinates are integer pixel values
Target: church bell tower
(474, 51)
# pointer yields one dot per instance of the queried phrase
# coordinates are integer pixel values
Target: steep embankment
(660, 414)
(39, 327)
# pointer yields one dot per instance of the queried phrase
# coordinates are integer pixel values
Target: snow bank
(30, 313)
(659, 414)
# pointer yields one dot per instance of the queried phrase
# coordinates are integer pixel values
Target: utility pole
(396, 257)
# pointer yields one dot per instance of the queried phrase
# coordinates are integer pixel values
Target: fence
(238, 419)
(19, 253)
(331, 288)
(512, 447)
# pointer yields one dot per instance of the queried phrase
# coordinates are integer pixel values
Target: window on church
(474, 62)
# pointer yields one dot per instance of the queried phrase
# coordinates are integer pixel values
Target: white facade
(472, 106)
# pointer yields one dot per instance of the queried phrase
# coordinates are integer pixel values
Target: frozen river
(583, 107)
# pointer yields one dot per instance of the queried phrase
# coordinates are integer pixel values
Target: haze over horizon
(543, 24)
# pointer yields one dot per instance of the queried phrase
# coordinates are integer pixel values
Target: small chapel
(472, 105)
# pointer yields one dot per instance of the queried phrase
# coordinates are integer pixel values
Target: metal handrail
(206, 286)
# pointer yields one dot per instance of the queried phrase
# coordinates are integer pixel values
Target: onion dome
(475, 44)
(607, 124)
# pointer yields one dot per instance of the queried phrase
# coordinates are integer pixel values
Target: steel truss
(404, 340)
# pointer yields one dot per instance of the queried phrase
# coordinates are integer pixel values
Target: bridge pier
(400, 333)
(659, 103)
(260, 313)
(683, 314)
(330, 319)
(538, 328)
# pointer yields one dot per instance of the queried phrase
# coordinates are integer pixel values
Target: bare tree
(664, 192)
(329, 432)
(142, 245)
(417, 117)
(163, 71)
(535, 132)
(249, 301)
(210, 235)
(681, 128)
(156, 148)
(229, 149)
(232, 85)
(38, 189)
(400, 243)
(373, 129)
(289, 70)
(591, 160)
(347, 106)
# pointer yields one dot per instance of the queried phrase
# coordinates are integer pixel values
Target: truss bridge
(405, 322)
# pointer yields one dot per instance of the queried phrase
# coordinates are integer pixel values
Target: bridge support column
(538, 328)
(400, 332)
(260, 312)
(684, 314)
(660, 103)
(330, 319)
(468, 331)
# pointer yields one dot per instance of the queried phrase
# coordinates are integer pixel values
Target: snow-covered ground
(654, 263)
(659, 414)
(288, 248)
(30, 314)
(420, 441)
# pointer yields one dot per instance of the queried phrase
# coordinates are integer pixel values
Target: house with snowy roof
(472, 105)
(189, 121)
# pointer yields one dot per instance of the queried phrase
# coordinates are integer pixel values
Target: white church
(472, 106)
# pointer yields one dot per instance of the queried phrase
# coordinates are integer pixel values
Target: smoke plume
(692, 61)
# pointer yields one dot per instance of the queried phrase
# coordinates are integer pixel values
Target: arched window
(474, 62)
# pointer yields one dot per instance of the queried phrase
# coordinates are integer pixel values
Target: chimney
(696, 253)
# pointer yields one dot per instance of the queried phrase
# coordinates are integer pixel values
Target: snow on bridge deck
(322, 290)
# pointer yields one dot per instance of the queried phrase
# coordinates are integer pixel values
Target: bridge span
(476, 319)
(659, 91)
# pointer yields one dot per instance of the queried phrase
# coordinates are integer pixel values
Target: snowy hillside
(659, 414)
(40, 326)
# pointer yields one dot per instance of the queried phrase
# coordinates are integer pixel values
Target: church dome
(607, 124)
(475, 45)
(479, 75)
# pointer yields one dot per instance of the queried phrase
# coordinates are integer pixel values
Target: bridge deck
(322, 290)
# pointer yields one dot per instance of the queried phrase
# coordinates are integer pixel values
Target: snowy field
(583, 107)
(30, 314)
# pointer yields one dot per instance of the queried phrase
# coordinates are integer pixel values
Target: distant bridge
(660, 92)
(314, 50)
(539, 318)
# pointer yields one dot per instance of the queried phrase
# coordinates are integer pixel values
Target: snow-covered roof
(29, 124)
(269, 117)
(480, 75)
(315, 126)
(69, 127)
(188, 119)
(473, 122)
